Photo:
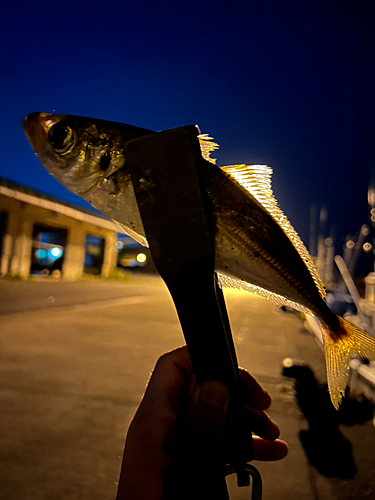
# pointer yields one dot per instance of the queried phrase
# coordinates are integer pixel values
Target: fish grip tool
(166, 170)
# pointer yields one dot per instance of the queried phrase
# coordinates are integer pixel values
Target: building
(41, 234)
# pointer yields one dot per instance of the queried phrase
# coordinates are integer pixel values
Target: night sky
(287, 84)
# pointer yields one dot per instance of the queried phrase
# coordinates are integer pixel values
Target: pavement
(74, 361)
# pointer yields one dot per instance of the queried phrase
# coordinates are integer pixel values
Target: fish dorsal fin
(256, 179)
(207, 147)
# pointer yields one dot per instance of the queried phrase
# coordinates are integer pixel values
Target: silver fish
(256, 248)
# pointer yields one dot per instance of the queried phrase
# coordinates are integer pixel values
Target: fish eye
(61, 137)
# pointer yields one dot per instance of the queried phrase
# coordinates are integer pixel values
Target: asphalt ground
(74, 361)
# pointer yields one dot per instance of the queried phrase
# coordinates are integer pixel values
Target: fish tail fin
(351, 341)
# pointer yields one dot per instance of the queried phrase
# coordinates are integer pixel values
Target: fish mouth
(36, 123)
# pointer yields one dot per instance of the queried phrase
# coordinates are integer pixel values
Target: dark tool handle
(166, 175)
(210, 344)
(165, 170)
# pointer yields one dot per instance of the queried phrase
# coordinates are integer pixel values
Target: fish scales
(256, 248)
(251, 254)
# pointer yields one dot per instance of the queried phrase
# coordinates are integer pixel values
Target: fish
(256, 247)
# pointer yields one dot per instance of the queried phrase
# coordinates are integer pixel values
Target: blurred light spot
(328, 241)
(367, 247)
(350, 244)
(119, 245)
(141, 257)
(51, 299)
(128, 262)
(55, 252)
(40, 253)
(240, 338)
(288, 362)
(371, 196)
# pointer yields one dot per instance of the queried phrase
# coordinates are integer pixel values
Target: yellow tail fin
(354, 342)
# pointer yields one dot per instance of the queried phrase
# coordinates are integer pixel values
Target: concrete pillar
(6, 255)
(19, 241)
(6, 246)
(26, 244)
(9, 260)
(74, 252)
(110, 253)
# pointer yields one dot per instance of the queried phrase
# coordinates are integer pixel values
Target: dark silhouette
(325, 446)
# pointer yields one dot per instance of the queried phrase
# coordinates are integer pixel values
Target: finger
(151, 430)
(261, 424)
(256, 396)
(269, 450)
(169, 380)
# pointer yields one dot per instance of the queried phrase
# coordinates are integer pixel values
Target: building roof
(38, 198)
(41, 194)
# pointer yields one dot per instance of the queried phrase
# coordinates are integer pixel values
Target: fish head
(79, 152)
(87, 156)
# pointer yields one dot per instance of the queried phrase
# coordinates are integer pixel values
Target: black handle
(166, 170)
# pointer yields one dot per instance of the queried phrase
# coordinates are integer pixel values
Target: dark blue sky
(288, 84)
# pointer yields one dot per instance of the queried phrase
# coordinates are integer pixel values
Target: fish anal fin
(228, 282)
(354, 342)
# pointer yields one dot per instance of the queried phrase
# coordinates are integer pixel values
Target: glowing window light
(141, 258)
(55, 252)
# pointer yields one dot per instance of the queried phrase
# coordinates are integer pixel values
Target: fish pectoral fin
(354, 342)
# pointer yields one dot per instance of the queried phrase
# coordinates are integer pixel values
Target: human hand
(172, 387)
